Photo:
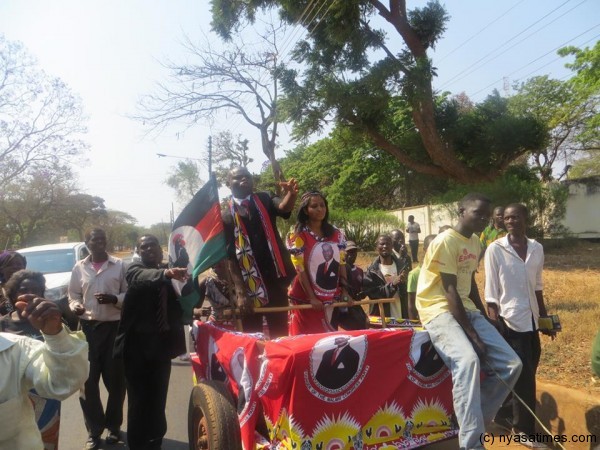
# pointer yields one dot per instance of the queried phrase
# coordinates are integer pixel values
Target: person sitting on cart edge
(259, 263)
(453, 314)
(150, 334)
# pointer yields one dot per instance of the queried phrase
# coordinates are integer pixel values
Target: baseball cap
(351, 245)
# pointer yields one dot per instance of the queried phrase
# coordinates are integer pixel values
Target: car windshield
(51, 261)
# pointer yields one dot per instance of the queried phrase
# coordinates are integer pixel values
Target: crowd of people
(132, 321)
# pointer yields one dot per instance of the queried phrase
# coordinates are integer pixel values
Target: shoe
(92, 443)
(112, 437)
(184, 357)
(503, 423)
(522, 438)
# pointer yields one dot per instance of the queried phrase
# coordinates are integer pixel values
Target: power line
(303, 25)
(481, 31)
(458, 75)
(540, 57)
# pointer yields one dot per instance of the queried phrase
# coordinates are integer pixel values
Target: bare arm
(457, 310)
(413, 314)
(308, 290)
(291, 193)
(475, 297)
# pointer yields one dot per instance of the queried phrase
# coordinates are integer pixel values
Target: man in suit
(338, 365)
(273, 267)
(327, 271)
(150, 334)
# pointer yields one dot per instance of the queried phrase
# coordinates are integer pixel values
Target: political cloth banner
(197, 241)
(354, 390)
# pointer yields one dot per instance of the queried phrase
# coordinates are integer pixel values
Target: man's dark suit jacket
(335, 374)
(139, 315)
(328, 280)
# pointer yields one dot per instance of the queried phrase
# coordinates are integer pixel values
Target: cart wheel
(212, 419)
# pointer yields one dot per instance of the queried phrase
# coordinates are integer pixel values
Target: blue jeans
(476, 400)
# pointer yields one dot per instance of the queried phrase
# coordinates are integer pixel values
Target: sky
(109, 52)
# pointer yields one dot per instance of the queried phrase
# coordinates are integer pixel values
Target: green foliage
(586, 166)
(363, 226)
(345, 70)
(185, 180)
(353, 174)
(586, 84)
(546, 201)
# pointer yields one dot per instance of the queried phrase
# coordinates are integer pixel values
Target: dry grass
(571, 290)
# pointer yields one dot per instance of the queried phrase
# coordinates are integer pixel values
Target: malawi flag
(197, 241)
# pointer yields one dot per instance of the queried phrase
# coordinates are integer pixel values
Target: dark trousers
(101, 338)
(414, 250)
(147, 388)
(277, 322)
(527, 346)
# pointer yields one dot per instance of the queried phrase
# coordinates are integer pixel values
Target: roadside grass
(571, 290)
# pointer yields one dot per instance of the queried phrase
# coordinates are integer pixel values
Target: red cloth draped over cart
(346, 390)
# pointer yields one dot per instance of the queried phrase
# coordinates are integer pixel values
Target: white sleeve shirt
(511, 282)
(85, 282)
(55, 368)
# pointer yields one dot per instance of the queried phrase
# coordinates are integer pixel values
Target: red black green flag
(197, 240)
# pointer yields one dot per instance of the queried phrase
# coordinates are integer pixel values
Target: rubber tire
(212, 404)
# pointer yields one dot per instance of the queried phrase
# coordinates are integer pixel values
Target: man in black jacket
(273, 270)
(150, 335)
(386, 278)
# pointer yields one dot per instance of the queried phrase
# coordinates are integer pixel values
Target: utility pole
(209, 157)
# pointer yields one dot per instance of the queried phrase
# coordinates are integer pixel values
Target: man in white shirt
(513, 293)
(413, 229)
(96, 293)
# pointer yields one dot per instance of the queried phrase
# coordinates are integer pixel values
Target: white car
(56, 262)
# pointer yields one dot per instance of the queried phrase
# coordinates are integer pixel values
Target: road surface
(72, 429)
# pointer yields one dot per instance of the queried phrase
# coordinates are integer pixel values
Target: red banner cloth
(360, 390)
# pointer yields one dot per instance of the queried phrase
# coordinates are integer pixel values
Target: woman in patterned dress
(318, 254)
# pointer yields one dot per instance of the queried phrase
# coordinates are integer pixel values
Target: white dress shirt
(511, 282)
(85, 282)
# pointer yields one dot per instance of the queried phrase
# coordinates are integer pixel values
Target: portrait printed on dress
(325, 266)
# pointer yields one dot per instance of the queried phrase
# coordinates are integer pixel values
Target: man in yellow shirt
(452, 312)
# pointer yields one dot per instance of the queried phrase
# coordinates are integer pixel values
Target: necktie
(245, 208)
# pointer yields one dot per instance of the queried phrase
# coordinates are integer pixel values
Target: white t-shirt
(388, 271)
(413, 231)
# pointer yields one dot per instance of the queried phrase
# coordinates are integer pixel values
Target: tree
(228, 152)
(119, 227)
(79, 212)
(353, 77)
(40, 118)
(185, 179)
(236, 79)
(566, 115)
(28, 203)
(586, 166)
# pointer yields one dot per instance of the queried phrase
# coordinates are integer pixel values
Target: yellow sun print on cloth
(387, 423)
(286, 433)
(335, 434)
(431, 419)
